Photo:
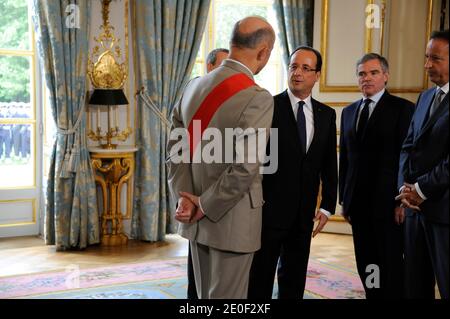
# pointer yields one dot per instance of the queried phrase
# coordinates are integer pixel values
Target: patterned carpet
(162, 279)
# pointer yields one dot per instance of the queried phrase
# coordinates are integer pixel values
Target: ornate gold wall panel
(407, 32)
(359, 35)
(401, 36)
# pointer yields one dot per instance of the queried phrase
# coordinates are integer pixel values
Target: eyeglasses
(305, 69)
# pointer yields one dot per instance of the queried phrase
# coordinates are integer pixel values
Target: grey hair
(251, 40)
(212, 56)
(374, 56)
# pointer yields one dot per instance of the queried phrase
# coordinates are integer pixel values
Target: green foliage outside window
(227, 15)
(14, 35)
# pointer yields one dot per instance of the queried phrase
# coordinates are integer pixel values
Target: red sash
(212, 102)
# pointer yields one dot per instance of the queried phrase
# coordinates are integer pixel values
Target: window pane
(266, 78)
(226, 13)
(16, 110)
(201, 49)
(198, 70)
(15, 79)
(16, 155)
(14, 25)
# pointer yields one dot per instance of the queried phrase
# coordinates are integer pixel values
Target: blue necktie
(301, 126)
(363, 119)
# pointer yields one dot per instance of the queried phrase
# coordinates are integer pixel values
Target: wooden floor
(25, 255)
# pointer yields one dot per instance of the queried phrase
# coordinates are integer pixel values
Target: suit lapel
(354, 118)
(422, 110)
(434, 117)
(317, 115)
(288, 110)
(376, 114)
(289, 120)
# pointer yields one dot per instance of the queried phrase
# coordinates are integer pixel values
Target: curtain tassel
(65, 173)
(74, 158)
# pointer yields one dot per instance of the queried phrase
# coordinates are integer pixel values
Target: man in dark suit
(372, 132)
(423, 181)
(306, 157)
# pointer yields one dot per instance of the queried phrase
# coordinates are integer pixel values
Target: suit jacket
(368, 169)
(291, 192)
(230, 193)
(424, 157)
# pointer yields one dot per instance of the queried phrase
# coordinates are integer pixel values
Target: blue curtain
(71, 217)
(296, 24)
(167, 38)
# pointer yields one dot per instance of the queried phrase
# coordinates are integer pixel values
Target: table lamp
(108, 98)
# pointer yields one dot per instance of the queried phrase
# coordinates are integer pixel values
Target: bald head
(251, 32)
(252, 42)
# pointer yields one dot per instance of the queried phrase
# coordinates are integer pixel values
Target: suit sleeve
(343, 163)
(236, 180)
(179, 171)
(404, 137)
(329, 173)
(434, 183)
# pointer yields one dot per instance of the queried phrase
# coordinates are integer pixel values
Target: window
(17, 96)
(19, 143)
(222, 17)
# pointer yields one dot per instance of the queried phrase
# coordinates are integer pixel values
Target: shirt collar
(240, 63)
(444, 88)
(294, 100)
(376, 97)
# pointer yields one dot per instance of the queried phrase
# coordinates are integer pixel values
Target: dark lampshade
(108, 97)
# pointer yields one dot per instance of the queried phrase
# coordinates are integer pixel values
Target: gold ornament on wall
(107, 71)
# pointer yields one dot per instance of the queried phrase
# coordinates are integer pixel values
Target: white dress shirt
(444, 88)
(309, 119)
(375, 99)
(309, 116)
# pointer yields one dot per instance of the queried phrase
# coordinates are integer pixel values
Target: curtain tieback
(72, 153)
(149, 103)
